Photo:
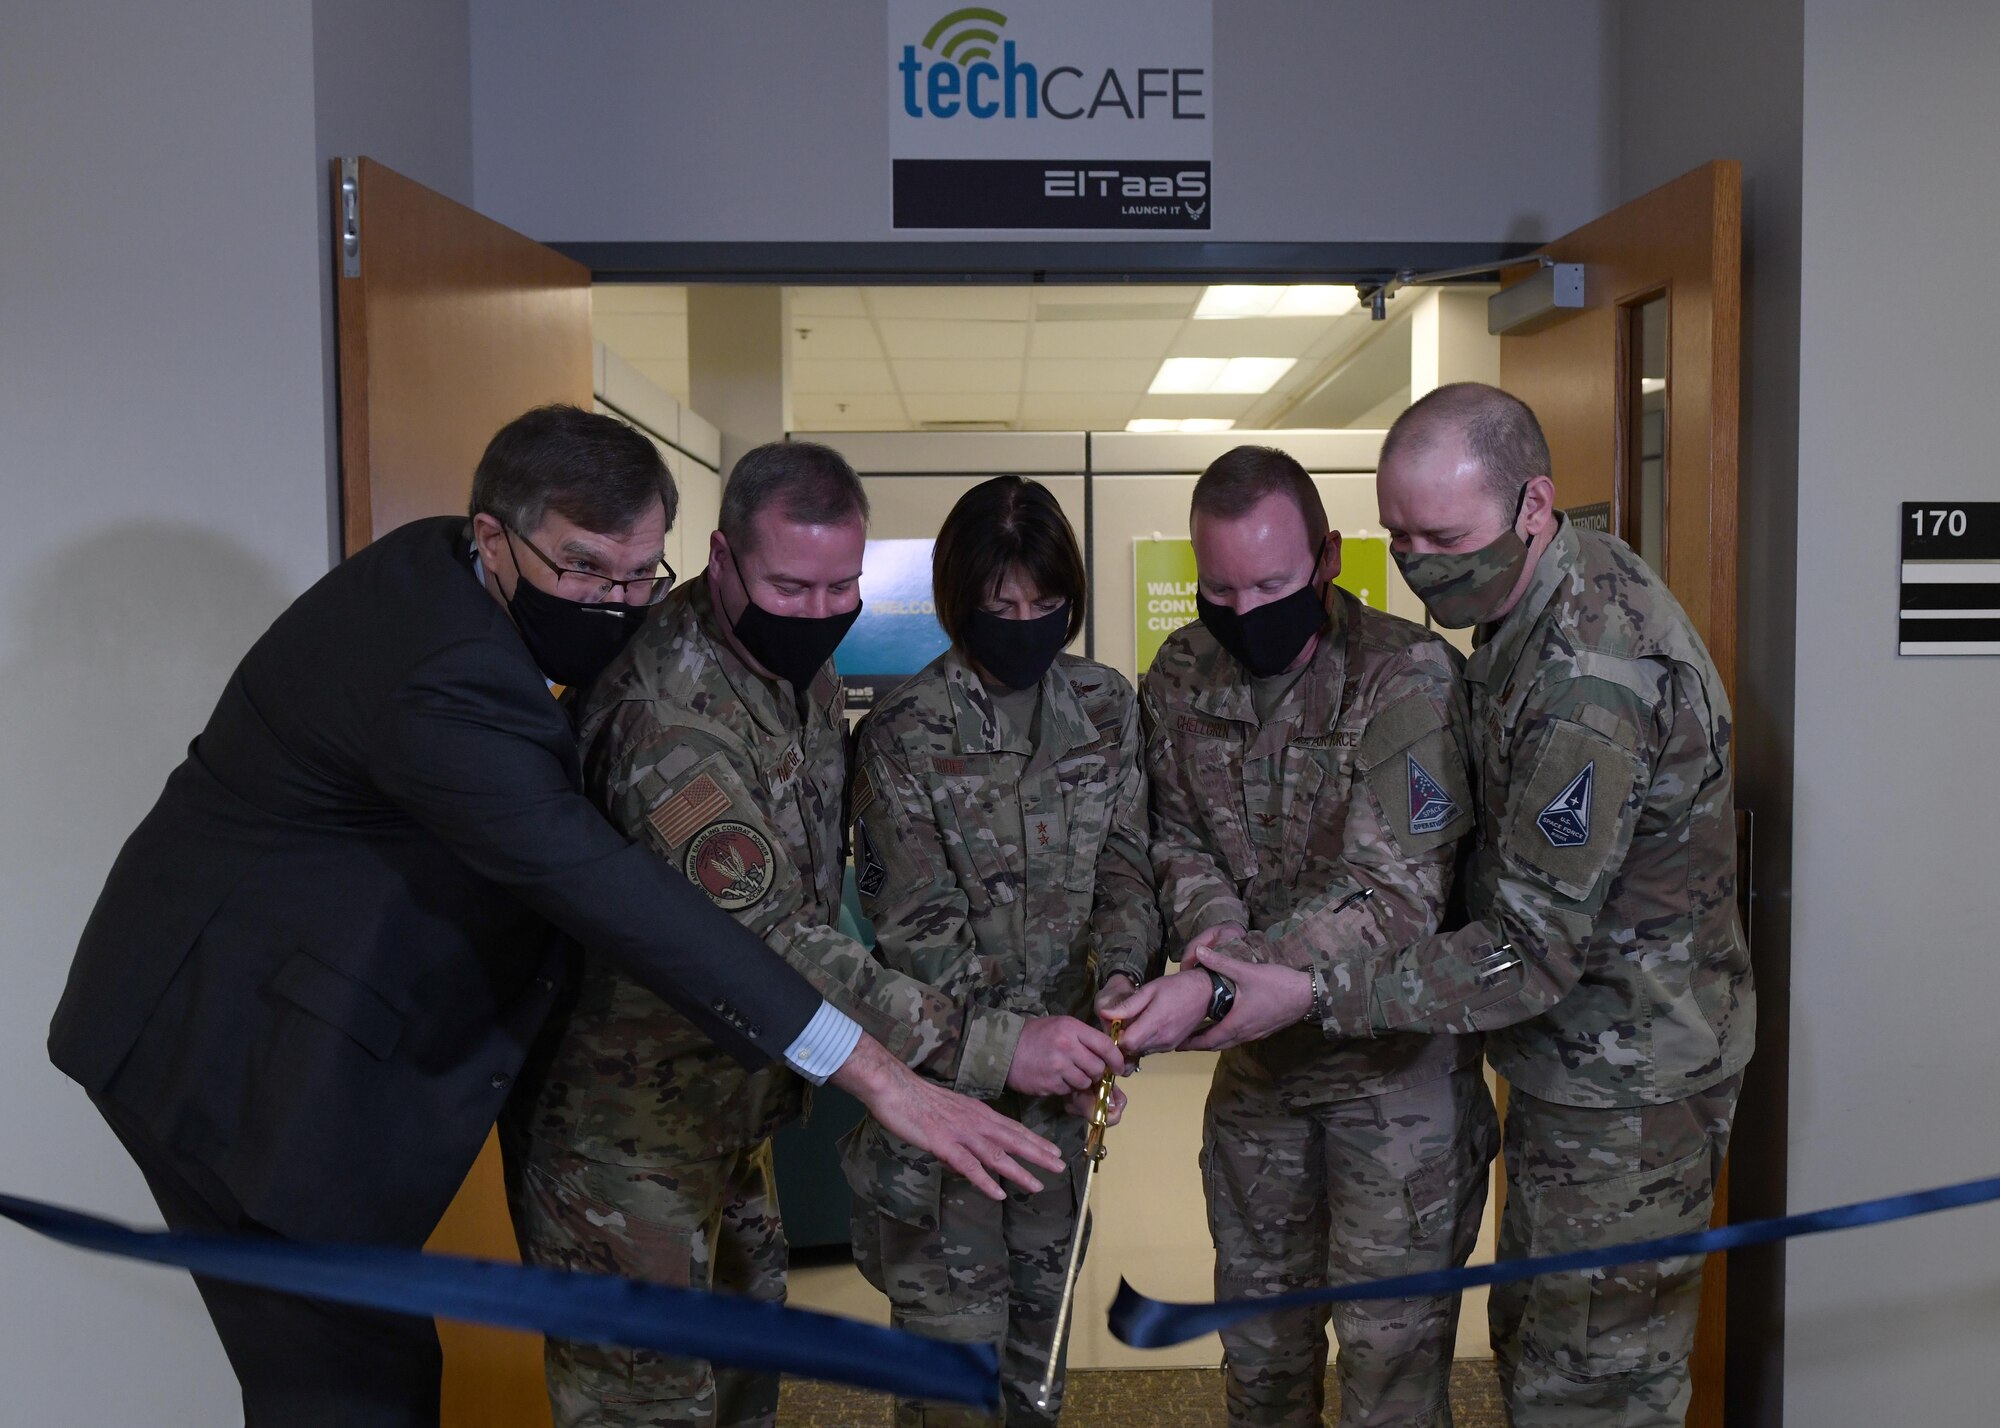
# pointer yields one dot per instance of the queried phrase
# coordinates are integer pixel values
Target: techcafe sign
(1051, 113)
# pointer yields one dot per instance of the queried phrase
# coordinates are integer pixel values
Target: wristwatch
(1220, 1000)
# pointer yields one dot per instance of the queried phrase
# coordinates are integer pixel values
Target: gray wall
(392, 80)
(1685, 99)
(160, 396)
(1895, 1062)
(768, 119)
(166, 398)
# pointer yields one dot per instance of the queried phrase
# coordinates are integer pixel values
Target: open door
(1637, 392)
(450, 325)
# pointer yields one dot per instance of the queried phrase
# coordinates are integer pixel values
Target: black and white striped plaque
(1951, 579)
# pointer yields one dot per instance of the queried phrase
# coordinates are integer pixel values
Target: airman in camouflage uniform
(643, 1148)
(1605, 962)
(1326, 1162)
(1007, 867)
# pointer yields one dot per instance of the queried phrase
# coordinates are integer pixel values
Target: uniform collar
(1063, 724)
(1498, 648)
(1313, 701)
(767, 700)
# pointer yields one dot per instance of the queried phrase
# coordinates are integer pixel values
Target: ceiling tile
(1076, 374)
(1192, 406)
(827, 302)
(922, 337)
(638, 336)
(820, 376)
(1058, 295)
(638, 297)
(1147, 338)
(966, 302)
(814, 410)
(1067, 411)
(1251, 337)
(834, 337)
(962, 406)
(956, 374)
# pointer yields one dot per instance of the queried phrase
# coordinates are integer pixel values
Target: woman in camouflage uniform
(999, 802)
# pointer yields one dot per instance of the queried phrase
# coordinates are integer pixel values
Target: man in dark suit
(318, 964)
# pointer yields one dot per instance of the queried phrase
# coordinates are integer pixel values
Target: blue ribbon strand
(1154, 1324)
(590, 1308)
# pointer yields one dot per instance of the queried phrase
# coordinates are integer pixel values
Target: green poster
(1162, 592)
(1364, 570)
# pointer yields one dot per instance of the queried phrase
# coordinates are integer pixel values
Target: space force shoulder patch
(1415, 770)
(732, 863)
(1430, 806)
(1568, 819)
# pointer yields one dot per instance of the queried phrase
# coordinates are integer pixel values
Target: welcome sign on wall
(1051, 114)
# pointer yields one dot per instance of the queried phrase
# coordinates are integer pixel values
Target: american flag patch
(692, 808)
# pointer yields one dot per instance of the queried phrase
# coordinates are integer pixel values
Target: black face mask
(1270, 636)
(793, 647)
(1017, 652)
(571, 642)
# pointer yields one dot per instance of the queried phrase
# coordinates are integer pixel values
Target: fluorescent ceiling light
(1650, 385)
(1232, 376)
(1153, 424)
(1261, 300)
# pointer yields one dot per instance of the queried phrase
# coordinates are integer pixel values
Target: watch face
(1221, 999)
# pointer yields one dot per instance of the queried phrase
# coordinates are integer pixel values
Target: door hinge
(350, 218)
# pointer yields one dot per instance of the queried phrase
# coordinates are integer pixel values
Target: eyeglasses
(589, 588)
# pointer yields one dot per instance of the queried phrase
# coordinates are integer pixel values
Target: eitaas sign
(1051, 113)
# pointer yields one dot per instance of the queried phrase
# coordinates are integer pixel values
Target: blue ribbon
(591, 1308)
(1153, 1324)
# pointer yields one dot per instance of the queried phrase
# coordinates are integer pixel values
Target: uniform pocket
(1086, 787)
(981, 869)
(892, 1176)
(1604, 1323)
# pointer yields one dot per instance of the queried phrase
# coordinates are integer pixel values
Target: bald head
(1459, 470)
(1497, 438)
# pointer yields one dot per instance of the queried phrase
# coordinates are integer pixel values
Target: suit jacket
(319, 962)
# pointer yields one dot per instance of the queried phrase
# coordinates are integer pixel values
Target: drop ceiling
(1047, 358)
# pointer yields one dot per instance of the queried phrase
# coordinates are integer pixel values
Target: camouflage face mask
(1468, 588)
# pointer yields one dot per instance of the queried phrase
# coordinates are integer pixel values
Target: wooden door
(1637, 392)
(450, 325)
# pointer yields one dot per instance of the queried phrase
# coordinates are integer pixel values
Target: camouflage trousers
(981, 1271)
(1306, 1195)
(706, 1224)
(1604, 1346)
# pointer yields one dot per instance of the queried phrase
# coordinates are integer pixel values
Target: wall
(1683, 100)
(160, 392)
(1895, 1065)
(392, 80)
(768, 119)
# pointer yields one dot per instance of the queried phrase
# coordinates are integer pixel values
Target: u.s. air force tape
(1152, 1324)
(591, 1308)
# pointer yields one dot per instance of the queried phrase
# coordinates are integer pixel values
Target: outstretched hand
(969, 1136)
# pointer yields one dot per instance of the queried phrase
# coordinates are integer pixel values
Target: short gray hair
(1500, 434)
(815, 483)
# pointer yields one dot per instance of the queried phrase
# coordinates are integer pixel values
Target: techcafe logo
(974, 73)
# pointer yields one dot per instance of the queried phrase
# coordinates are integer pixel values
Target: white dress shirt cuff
(824, 1046)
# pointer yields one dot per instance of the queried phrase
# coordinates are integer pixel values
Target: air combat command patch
(731, 862)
